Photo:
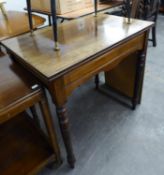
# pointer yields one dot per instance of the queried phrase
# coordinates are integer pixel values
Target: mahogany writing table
(88, 46)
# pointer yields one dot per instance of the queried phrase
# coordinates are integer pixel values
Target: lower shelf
(24, 149)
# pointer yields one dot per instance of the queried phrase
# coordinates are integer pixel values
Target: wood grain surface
(78, 40)
(15, 88)
(16, 23)
(24, 150)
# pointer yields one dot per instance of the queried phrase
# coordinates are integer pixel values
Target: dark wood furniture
(161, 8)
(16, 23)
(88, 46)
(133, 8)
(25, 149)
(146, 10)
(150, 12)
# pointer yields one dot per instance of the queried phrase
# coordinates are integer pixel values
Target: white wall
(15, 4)
(19, 5)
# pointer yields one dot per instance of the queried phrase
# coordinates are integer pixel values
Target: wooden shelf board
(24, 149)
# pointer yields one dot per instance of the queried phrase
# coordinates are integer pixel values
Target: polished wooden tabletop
(15, 23)
(12, 78)
(79, 41)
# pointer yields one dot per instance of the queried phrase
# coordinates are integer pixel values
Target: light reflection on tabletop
(78, 40)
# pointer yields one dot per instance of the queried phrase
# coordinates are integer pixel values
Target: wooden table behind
(42, 9)
(16, 23)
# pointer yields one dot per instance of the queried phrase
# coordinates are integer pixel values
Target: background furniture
(146, 10)
(53, 11)
(77, 13)
(161, 9)
(85, 51)
(24, 147)
(150, 12)
(2, 7)
(16, 23)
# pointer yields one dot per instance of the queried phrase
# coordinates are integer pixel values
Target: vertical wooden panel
(122, 77)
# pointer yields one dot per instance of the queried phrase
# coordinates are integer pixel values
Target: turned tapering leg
(64, 126)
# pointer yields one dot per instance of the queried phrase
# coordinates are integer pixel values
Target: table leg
(64, 126)
(35, 116)
(49, 125)
(138, 79)
(97, 80)
(62, 20)
(49, 20)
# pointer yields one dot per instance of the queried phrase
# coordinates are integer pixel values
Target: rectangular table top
(79, 40)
